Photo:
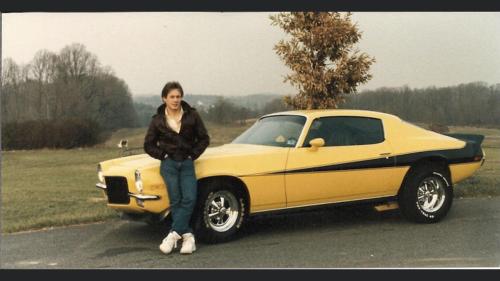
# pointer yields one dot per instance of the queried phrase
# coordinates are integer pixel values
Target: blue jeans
(180, 178)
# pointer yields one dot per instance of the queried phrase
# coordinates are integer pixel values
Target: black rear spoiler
(473, 141)
(478, 139)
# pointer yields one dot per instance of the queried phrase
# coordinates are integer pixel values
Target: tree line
(471, 104)
(223, 111)
(70, 87)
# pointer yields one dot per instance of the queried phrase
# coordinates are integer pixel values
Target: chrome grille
(117, 190)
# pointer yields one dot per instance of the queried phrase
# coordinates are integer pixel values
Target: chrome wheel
(431, 194)
(221, 210)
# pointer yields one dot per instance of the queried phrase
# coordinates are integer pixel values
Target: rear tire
(220, 212)
(426, 195)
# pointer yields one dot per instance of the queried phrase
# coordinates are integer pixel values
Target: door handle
(386, 154)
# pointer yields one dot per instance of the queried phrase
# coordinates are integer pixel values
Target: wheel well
(432, 160)
(235, 183)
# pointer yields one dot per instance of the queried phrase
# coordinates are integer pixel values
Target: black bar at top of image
(244, 5)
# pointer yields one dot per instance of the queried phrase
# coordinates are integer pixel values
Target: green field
(44, 188)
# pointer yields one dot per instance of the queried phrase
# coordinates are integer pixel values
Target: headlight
(138, 181)
(100, 175)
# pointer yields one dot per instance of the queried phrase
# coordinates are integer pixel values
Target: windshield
(280, 130)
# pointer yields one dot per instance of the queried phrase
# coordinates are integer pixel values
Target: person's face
(173, 99)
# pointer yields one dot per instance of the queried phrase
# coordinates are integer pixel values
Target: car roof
(316, 113)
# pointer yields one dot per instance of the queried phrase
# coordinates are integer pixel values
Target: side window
(346, 130)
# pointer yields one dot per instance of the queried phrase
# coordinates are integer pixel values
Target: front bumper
(142, 197)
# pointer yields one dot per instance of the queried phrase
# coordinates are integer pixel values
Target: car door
(263, 157)
(353, 164)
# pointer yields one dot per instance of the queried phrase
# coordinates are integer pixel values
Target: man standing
(177, 137)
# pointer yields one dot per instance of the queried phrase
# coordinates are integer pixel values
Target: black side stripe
(453, 156)
(366, 164)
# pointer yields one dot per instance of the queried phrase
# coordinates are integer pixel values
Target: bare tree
(11, 73)
(44, 66)
(76, 62)
(11, 78)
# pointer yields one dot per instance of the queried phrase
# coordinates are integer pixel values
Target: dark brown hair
(171, 86)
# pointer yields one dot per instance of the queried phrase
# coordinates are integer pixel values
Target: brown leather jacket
(191, 140)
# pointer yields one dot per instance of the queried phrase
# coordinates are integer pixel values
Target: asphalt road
(335, 237)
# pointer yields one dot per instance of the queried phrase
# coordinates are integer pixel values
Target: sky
(231, 54)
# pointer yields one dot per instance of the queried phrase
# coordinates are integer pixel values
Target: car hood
(241, 160)
(228, 159)
(233, 149)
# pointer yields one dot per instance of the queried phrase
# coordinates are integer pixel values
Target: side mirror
(316, 143)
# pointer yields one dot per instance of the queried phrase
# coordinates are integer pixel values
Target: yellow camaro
(305, 158)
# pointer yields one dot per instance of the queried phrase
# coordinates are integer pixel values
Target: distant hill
(253, 102)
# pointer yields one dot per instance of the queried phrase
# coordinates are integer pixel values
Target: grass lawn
(43, 188)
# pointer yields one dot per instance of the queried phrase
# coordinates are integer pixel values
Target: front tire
(220, 213)
(426, 195)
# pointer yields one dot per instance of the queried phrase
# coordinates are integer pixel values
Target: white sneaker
(170, 242)
(188, 244)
